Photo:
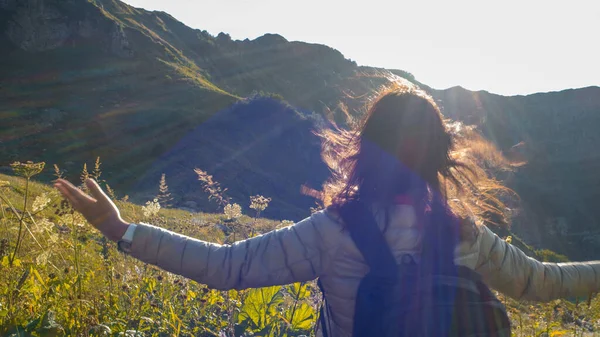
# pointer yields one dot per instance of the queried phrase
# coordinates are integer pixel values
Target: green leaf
(17, 331)
(298, 290)
(38, 277)
(49, 326)
(302, 317)
(260, 307)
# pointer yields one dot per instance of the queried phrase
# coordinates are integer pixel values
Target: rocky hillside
(556, 133)
(87, 78)
(84, 78)
(260, 145)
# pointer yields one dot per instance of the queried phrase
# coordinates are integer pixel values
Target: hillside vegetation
(60, 277)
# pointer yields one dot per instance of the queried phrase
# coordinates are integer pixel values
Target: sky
(509, 47)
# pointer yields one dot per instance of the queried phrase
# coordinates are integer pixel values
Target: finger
(96, 191)
(67, 194)
(76, 193)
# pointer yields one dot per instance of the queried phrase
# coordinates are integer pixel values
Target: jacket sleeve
(507, 269)
(296, 253)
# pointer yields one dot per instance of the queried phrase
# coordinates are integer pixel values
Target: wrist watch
(124, 245)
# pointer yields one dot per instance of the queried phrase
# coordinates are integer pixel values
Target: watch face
(124, 246)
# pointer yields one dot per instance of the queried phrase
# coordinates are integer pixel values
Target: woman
(402, 157)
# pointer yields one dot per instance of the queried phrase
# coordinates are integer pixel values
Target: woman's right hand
(97, 209)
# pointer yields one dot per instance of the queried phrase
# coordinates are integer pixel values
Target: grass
(66, 280)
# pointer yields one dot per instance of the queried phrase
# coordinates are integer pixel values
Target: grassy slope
(118, 291)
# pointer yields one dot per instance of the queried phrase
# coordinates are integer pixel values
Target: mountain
(260, 145)
(87, 78)
(557, 134)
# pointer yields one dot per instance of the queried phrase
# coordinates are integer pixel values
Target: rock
(119, 44)
(8, 4)
(86, 28)
(37, 27)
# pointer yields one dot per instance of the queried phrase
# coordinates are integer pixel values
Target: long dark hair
(404, 146)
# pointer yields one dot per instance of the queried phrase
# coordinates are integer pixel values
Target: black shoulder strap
(368, 238)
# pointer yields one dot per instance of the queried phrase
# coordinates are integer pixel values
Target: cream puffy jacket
(318, 246)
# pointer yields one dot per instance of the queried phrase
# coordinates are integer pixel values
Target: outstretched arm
(287, 255)
(297, 253)
(507, 269)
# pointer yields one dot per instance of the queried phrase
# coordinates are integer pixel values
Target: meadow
(60, 277)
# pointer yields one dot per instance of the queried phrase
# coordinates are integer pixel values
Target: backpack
(395, 300)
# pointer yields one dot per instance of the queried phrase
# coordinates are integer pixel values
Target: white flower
(259, 203)
(73, 219)
(198, 221)
(285, 223)
(232, 211)
(42, 258)
(42, 225)
(53, 238)
(40, 202)
(151, 209)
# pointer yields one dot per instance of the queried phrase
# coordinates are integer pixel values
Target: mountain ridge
(81, 79)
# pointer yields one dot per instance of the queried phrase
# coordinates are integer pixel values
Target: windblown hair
(405, 146)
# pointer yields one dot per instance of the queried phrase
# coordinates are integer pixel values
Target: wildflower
(151, 209)
(110, 192)
(40, 202)
(28, 169)
(97, 172)
(164, 196)
(85, 175)
(232, 212)
(198, 221)
(53, 238)
(259, 203)
(57, 172)
(42, 225)
(42, 258)
(212, 188)
(73, 219)
(285, 223)
(4, 183)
